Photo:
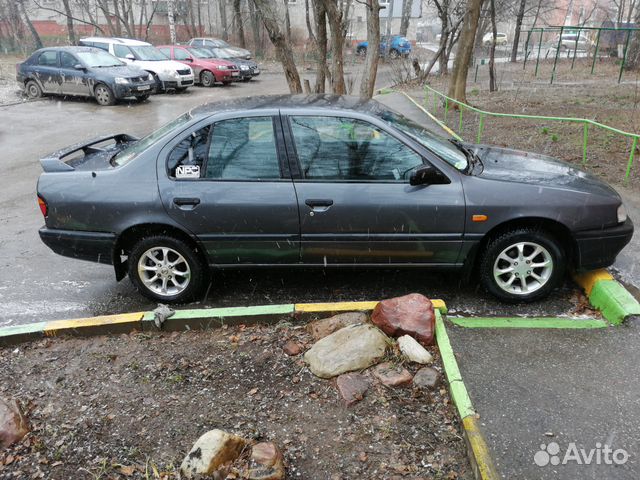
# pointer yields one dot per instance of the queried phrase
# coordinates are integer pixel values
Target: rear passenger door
(227, 181)
(48, 72)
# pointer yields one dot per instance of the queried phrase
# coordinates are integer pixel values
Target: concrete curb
(528, 322)
(607, 295)
(478, 451)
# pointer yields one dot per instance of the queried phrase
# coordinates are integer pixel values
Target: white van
(169, 75)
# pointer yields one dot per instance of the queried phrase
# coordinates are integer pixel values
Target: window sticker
(188, 171)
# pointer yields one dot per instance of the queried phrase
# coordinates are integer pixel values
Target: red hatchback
(207, 71)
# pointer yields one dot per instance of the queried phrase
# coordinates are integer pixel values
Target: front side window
(166, 51)
(180, 54)
(335, 148)
(67, 60)
(121, 51)
(48, 59)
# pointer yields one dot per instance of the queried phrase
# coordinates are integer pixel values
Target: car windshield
(125, 156)
(199, 53)
(440, 146)
(222, 53)
(98, 59)
(148, 53)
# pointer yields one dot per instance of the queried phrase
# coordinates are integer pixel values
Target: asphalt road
(36, 284)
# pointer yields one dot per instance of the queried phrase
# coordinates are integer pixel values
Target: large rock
(266, 462)
(352, 387)
(392, 375)
(13, 425)
(351, 348)
(426, 378)
(412, 315)
(413, 351)
(210, 452)
(321, 328)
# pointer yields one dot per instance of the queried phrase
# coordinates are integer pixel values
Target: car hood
(121, 71)
(532, 168)
(239, 52)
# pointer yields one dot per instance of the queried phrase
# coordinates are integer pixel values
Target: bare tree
(633, 53)
(239, 24)
(368, 83)
(458, 83)
(255, 29)
(516, 33)
(271, 20)
(337, 13)
(492, 52)
(171, 16)
(405, 17)
(25, 17)
(222, 6)
(450, 14)
(321, 40)
(70, 31)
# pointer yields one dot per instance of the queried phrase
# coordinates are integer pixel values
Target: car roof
(71, 49)
(328, 102)
(122, 41)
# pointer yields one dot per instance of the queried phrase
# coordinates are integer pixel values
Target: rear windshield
(98, 59)
(125, 156)
(148, 53)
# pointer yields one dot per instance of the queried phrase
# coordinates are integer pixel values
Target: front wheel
(166, 269)
(522, 265)
(104, 95)
(207, 79)
(394, 53)
(361, 51)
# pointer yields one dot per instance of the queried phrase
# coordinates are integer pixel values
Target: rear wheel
(361, 51)
(104, 95)
(522, 265)
(166, 269)
(207, 79)
(33, 89)
(394, 53)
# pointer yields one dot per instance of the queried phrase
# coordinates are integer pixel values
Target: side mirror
(129, 56)
(188, 59)
(426, 175)
(79, 66)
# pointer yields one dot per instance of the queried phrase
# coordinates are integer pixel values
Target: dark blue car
(398, 46)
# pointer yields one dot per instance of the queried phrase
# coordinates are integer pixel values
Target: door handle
(318, 205)
(184, 202)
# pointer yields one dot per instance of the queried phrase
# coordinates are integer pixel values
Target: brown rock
(292, 348)
(352, 387)
(266, 463)
(13, 424)
(321, 328)
(392, 375)
(412, 315)
(426, 377)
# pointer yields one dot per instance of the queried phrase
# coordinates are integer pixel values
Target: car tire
(522, 265)
(394, 53)
(207, 79)
(103, 95)
(181, 89)
(361, 51)
(32, 89)
(142, 98)
(179, 275)
(226, 83)
(158, 83)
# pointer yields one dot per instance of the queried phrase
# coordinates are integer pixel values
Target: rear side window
(121, 51)
(102, 45)
(48, 59)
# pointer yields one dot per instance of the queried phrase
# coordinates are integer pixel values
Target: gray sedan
(322, 181)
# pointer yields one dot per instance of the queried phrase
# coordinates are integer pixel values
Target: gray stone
(210, 452)
(321, 328)
(351, 348)
(426, 378)
(413, 351)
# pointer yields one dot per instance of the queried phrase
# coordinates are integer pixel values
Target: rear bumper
(91, 246)
(599, 248)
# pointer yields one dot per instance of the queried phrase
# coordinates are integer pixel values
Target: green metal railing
(585, 122)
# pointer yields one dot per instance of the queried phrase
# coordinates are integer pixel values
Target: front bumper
(599, 248)
(91, 246)
(134, 90)
(182, 81)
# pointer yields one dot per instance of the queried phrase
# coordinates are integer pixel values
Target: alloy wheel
(164, 271)
(522, 268)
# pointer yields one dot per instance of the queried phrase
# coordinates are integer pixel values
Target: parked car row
(110, 69)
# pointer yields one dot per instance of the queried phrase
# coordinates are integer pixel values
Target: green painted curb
(21, 333)
(615, 302)
(205, 318)
(457, 388)
(520, 322)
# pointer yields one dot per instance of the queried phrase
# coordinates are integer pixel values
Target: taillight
(43, 205)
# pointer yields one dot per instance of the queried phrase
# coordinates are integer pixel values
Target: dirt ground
(131, 406)
(575, 93)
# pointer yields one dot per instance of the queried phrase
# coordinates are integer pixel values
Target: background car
(207, 70)
(82, 71)
(169, 75)
(248, 68)
(398, 46)
(501, 39)
(570, 41)
(321, 181)
(219, 43)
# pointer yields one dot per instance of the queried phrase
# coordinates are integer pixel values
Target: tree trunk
(171, 16)
(34, 33)
(287, 21)
(633, 52)
(255, 29)
(492, 53)
(222, 4)
(367, 86)
(270, 19)
(458, 84)
(237, 16)
(322, 73)
(334, 15)
(516, 34)
(406, 16)
(69, 14)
